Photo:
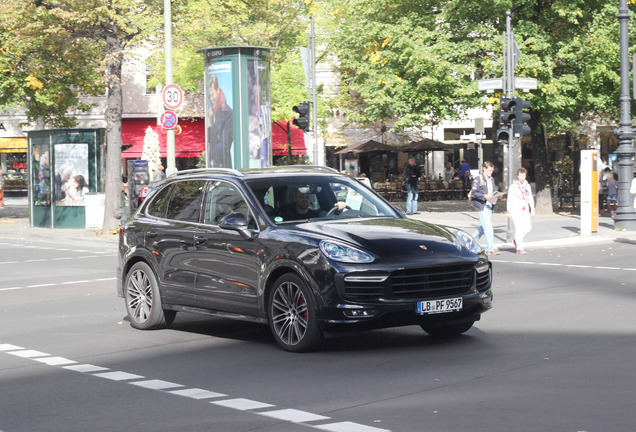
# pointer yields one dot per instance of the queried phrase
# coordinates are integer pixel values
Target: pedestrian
(464, 167)
(1, 187)
(159, 174)
(412, 174)
(449, 172)
(520, 207)
(483, 197)
(612, 193)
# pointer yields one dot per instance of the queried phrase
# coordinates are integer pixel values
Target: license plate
(439, 306)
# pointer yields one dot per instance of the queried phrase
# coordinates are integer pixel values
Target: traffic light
(506, 115)
(503, 136)
(519, 119)
(302, 122)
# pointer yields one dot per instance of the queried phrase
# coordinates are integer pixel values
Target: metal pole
(509, 89)
(314, 97)
(625, 218)
(167, 16)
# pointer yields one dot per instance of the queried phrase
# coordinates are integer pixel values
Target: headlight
(343, 253)
(466, 241)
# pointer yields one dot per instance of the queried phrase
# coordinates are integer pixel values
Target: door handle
(152, 233)
(200, 239)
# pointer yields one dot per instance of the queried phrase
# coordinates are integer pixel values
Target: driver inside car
(301, 207)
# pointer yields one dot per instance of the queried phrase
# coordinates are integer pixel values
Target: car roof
(278, 171)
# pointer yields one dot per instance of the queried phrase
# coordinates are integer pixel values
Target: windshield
(301, 198)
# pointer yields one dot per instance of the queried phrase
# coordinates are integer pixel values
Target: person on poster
(77, 194)
(62, 183)
(520, 207)
(220, 127)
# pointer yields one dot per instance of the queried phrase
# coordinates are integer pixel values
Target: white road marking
(29, 354)
(60, 283)
(349, 427)
(118, 376)
(86, 368)
(241, 404)
(294, 416)
(55, 361)
(564, 265)
(197, 393)
(156, 384)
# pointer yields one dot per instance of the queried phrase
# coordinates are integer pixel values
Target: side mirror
(236, 222)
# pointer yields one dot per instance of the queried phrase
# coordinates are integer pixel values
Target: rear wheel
(143, 300)
(450, 330)
(292, 315)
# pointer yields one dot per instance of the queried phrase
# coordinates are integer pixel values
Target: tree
(44, 69)
(412, 63)
(105, 28)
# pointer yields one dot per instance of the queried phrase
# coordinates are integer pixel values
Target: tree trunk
(113, 184)
(543, 201)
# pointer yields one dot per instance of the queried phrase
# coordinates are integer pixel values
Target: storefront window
(16, 174)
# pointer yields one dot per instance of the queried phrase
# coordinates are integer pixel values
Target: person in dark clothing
(412, 174)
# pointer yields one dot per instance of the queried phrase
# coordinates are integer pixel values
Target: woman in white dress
(520, 207)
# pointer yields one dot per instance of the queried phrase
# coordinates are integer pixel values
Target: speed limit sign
(172, 96)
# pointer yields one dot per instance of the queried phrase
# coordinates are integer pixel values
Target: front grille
(431, 282)
(416, 283)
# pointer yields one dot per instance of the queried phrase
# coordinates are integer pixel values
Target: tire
(143, 299)
(447, 331)
(292, 315)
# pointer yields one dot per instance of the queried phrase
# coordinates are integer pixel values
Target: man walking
(483, 197)
(411, 174)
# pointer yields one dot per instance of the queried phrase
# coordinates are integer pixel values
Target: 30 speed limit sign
(172, 96)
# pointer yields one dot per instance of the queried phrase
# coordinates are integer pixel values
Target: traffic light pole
(514, 143)
(625, 217)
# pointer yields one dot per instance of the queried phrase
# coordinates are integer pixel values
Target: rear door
(171, 239)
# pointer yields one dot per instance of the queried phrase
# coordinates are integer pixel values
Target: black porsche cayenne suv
(306, 250)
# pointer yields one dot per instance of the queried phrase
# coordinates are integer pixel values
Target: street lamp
(625, 217)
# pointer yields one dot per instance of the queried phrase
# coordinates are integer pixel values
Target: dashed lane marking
(565, 265)
(291, 415)
(85, 281)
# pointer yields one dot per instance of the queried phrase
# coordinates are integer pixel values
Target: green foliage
(44, 67)
(414, 62)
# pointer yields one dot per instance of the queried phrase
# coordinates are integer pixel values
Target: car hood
(389, 237)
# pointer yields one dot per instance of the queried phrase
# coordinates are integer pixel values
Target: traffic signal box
(302, 122)
(506, 115)
(520, 117)
(511, 115)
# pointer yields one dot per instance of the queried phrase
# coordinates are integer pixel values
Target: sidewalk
(558, 229)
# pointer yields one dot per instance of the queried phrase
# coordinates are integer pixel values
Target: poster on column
(259, 113)
(71, 174)
(219, 119)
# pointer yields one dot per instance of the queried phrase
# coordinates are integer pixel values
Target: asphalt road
(556, 353)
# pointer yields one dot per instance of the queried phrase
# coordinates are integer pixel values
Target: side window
(159, 204)
(223, 199)
(185, 204)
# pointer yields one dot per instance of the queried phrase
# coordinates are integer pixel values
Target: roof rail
(304, 167)
(208, 170)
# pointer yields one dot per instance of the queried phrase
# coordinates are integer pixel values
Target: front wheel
(292, 315)
(450, 330)
(143, 300)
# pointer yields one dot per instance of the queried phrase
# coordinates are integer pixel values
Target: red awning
(279, 139)
(189, 143)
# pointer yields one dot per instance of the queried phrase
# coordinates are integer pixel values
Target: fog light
(359, 313)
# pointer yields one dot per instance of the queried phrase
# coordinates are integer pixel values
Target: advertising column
(238, 107)
(590, 166)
